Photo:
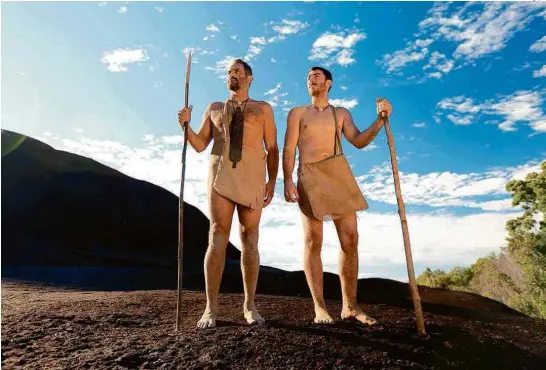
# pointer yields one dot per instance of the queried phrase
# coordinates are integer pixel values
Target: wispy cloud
(277, 99)
(196, 52)
(540, 72)
(221, 66)
(212, 28)
(345, 103)
(521, 106)
(159, 9)
(445, 189)
(476, 30)
(414, 51)
(538, 46)
(419, 124)
(282, 30)
(336, 47)
(118, 59)
(122, 10)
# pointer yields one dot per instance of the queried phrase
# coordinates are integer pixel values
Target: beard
(233, 85)
(315, 90)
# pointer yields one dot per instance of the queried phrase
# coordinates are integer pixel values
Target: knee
(349, 241)
(249, 237)
(218, 236)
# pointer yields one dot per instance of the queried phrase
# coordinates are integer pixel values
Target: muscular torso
(316, 134)
(253, 131)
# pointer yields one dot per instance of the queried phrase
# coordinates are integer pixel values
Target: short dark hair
(246, 66)
(327, 73)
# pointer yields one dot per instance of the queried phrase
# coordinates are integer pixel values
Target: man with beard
(239, 128)
(326, 187)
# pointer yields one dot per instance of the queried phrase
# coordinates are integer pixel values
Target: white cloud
(277, 98)
(289, 27)
(331, 48)
(538, 46)
(118, 59)
(521, 106)
(479, 33)
(369, 147)
(283, 29)
(445, 189)
(212, 28)
(414, 51)
(419, 124)
(221, 66)
(159, 9)
(475, 29)
(439, 62)
(456, 240)
(540, 72)
(345, 103)
(122, 10)
(233, 37)
(196, 52)
(343, 87)
(273, 60)
(103, 4)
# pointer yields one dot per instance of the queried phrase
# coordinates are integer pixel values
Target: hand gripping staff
(402, 212)
(181, 201)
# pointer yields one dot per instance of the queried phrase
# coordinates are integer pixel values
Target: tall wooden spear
(181, 203)
(402, 212)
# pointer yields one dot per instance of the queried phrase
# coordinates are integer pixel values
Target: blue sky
(466, 80)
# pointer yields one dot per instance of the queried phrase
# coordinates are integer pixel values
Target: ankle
(211, 309)
(249, 306)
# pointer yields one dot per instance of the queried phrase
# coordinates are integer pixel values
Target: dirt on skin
(55, 328)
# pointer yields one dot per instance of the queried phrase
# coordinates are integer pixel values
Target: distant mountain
(62, 209)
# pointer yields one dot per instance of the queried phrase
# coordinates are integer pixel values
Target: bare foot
(253, 317)
(357, 314)
(208, 320)
(322, 316)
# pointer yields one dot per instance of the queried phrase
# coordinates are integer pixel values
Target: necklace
(238, 109)
(319, 109)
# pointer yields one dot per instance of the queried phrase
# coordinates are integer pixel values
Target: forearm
(197, 142)
(288, 162)
(367, 136)
(272, 164)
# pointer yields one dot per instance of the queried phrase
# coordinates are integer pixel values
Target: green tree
(517, 275)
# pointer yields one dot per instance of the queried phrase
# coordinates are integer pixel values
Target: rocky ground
(54, 328)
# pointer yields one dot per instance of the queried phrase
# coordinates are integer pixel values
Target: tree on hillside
(517, 275)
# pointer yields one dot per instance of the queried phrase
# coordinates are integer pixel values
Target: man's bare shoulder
(264, 106)
(214, 106)
(342, 112)
(297, 112)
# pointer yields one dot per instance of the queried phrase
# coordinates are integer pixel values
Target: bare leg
(348, 268)
(221, 216)
(250, 260)
(312, 229)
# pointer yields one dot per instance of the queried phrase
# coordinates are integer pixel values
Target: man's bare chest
(318, 127)
(253, 117)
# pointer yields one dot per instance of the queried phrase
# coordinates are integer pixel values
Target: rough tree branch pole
(181, 203)
(402, 212)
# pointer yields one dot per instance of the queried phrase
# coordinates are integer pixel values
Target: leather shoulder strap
(337, 140)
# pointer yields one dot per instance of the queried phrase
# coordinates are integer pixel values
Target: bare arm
(354, 135)
(270, 139)
(200, 140)
(290, 143)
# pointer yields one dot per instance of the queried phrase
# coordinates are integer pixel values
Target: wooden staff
(402, 212)
(181, 202)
